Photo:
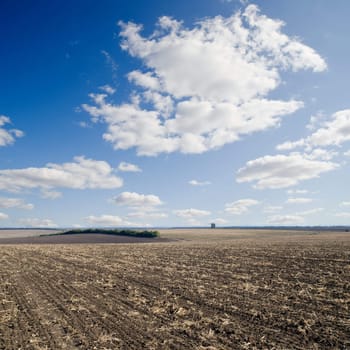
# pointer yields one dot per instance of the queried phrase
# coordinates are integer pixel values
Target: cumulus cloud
(146, 80)
(344, 204)
(289, 145)
(3, 216)
(317, 153)
(299, 200)
(191, 213)
(128, 167)
(15, 203)
(321, 154)
(129, 125)
(108, 89)
(83, 173)
(285, 220)
(8, 136)
(203, 87)
(241, 206)
(287, 170)
(280, 171)
(133, 199)
(333, 131)
(199, 183)
(35, 222)
(316, 120)
(164, 105)
(347, 153)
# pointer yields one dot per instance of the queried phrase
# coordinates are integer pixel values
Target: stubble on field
(290, 293)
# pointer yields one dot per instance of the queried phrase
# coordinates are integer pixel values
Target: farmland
(221, 289)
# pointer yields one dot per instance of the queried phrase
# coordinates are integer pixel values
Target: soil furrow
(241, 294)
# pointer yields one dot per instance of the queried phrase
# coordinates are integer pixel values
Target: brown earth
(82, 238)
(215, 290)
(18, 233)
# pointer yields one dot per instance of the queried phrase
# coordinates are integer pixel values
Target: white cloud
(334, 131)
(128, 167)
(133, 199)
(347, 153)
(8, 136)
(199, 183)
(35, 222)
(299, 200)
(215, 47)
(3, 216)
(321, 154)
(312, 154)
(146, 80)
(289, 145)
(191, 213)
(285, 220)
(164, 105)
(240, 207)
(15, 203)
(281, 171)
(316, 120)
(203, 87)
(108, 89)
(50, 194)
(131, 126)
(83, 173)
(344, 204)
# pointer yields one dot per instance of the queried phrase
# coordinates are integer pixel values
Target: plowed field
(269, 293)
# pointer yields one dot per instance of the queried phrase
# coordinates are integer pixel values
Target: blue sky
(163, 113)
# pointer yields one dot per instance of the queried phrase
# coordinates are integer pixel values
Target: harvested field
(217, 290)
(19, 233)
(80, 239)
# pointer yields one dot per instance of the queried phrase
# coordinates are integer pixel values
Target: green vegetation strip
(114, 232)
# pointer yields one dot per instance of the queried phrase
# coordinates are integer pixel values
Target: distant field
(220, 234)
(205, 289)
(72, 237)
(24, 233)
(185, 235)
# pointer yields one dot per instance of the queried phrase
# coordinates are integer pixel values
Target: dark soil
(80, 239)
(271, 293)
